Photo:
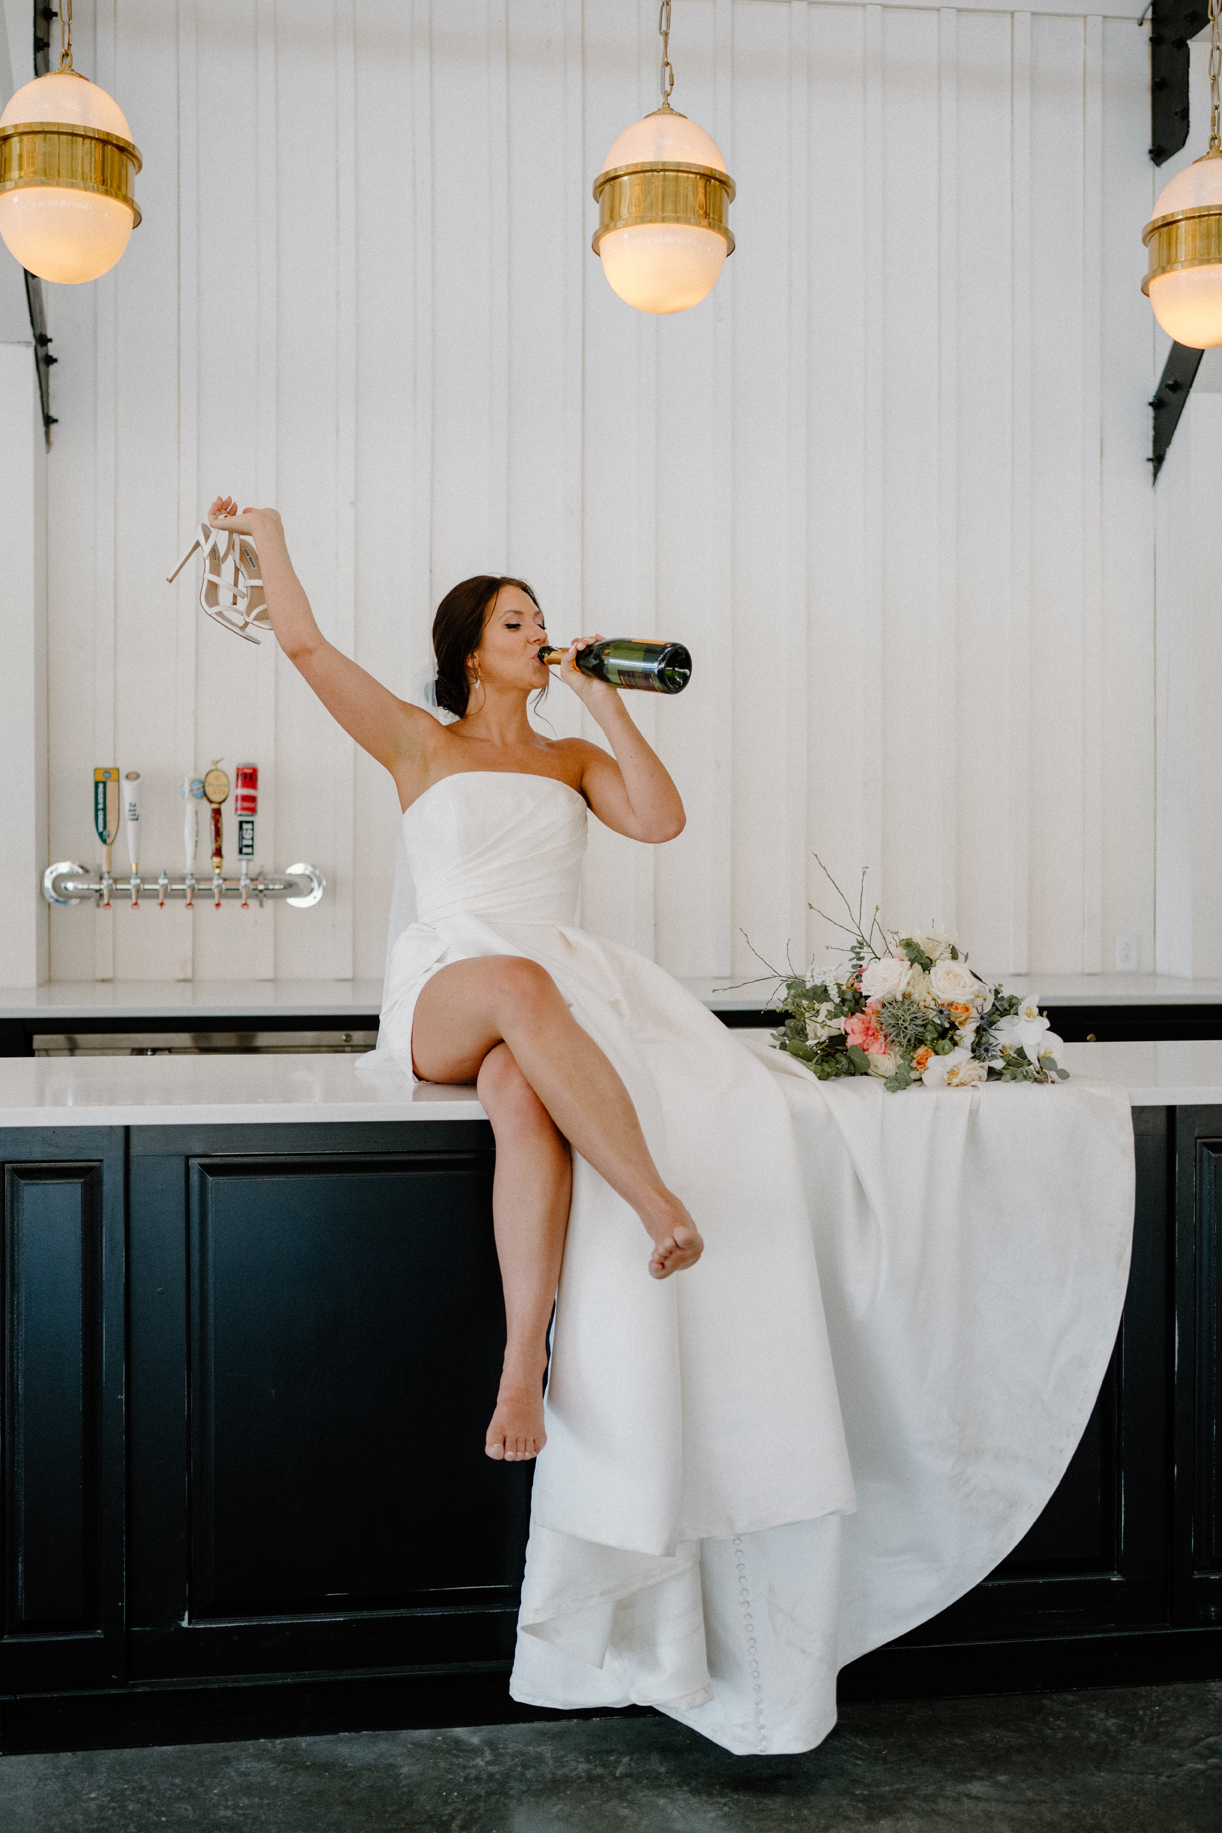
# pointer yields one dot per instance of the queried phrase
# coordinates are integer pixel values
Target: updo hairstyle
(457, 629)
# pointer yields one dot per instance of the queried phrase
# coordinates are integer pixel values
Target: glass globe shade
(59, 232)
(667, 137)
(663, 267)
(1188, 303)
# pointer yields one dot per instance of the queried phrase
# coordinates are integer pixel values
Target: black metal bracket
(35, 305)
(1173, 24)
(1179, 374)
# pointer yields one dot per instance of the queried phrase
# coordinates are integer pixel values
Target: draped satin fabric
(689, 1546)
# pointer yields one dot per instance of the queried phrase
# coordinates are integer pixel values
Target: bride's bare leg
(469, 1007)
(530, 1213)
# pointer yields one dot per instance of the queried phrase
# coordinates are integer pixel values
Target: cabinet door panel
(61, 1407)
(346, 1340)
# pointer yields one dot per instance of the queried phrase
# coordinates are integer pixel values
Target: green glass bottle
(660, 668)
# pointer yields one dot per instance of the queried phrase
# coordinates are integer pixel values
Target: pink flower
(862, 1030)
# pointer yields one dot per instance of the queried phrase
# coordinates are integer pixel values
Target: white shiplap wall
(889, 481)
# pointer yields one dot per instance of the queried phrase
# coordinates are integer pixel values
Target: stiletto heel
(231, 590)
(193, 549)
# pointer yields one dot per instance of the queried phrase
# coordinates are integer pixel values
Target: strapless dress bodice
(498, 845)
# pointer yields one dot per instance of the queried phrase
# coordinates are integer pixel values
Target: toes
(494, 1449)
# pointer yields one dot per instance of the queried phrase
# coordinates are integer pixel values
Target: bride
(695, 1541)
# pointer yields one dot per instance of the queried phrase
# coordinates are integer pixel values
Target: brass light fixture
(663, 200)
(66, 168)
(1184, 282)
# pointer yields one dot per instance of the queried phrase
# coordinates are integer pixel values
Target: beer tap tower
(67, 882)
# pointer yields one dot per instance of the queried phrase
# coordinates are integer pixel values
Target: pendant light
(1184, 284)
(663, 200)
(66, 168)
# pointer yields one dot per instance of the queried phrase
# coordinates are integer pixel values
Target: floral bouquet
(907, 1007)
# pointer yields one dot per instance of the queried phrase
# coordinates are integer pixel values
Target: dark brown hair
(457, 629)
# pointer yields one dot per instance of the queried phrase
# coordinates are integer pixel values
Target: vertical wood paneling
(796, 676)
(722, 938)
(345, 458)
(420, 558)
(1057, 851)
(1018, 698)
(1127, 544)
(104, 737)
(266, 477)
(983, 264)
(896, 452)
(840, 647)
(1092, 500)
(498, 285)
(947, 640)
(873, 416)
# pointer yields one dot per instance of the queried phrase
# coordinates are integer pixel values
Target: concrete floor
(1132, 1760)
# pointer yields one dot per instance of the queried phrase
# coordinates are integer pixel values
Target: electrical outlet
(1126, 954)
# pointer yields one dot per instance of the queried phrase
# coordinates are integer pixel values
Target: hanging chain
(1215, 71)
(668, 75)
(65, 34)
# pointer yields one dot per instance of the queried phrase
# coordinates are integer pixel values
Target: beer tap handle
(191, 789)
(131, 815)
(106, 821)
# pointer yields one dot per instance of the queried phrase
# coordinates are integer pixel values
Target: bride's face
(508, 653)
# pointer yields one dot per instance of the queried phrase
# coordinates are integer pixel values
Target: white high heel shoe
(231, 590)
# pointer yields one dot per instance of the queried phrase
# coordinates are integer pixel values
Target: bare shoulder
(578, 756)
(423, 754)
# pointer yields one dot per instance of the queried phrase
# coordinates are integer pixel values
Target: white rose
(938, 1070)
(932, 942)
(883, 1063)
(954, 981)
(886, 979)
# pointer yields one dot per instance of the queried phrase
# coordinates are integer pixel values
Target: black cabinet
(246, 1375)
(316, 1333)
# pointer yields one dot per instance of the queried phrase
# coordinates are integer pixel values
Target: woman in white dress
(500, 1021)
(696, 1542)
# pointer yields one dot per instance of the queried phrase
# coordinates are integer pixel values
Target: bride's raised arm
(391, 730)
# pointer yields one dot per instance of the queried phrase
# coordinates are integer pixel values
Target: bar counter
(252, 1330)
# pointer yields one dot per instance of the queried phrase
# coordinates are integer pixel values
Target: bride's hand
(587, 687)
(224, 513)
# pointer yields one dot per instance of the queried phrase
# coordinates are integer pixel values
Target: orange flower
(960, 1009)
(921, 1059)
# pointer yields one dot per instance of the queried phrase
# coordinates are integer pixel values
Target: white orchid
(1026, 1034)
(820, 1024)
(959, 1069)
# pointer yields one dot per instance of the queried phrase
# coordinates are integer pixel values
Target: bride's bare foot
(676, 1243)
(515, 1431)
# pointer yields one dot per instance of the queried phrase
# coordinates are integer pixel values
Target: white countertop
(238, 1090)
(211, 999)
(347, 999)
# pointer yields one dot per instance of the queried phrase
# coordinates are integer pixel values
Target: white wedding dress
(908, 1320)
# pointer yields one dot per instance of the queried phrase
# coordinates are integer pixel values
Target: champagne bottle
(661, 668)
